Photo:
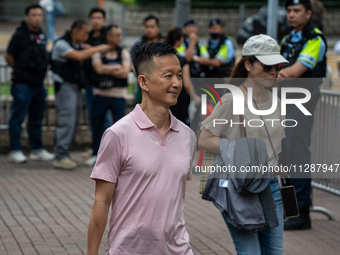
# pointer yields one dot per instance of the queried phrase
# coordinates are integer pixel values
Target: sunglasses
(267, 69)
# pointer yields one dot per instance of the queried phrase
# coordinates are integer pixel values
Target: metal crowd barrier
(325, 144)
(5, 101)
(49, 119)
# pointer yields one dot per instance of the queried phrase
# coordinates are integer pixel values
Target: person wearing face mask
(221, 50)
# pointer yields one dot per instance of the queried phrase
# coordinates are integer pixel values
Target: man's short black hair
(97, 9)
(78, 24)
(151, 17)
(143, 55)
(30, 7)
(109, 27)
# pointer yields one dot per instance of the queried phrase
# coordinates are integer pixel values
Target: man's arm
(208, 141)
(208, 62)
(81, 55)
(294, 71)
(117, 71)
(313, 52)
(10, 59)
(189, 53)
(103, 197)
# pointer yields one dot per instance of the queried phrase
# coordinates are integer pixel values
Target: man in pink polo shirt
(142, 167)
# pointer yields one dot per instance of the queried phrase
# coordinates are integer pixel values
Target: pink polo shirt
(150, 173)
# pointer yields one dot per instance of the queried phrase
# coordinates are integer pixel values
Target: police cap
(306, 3)
(189, 21)
(216, 21)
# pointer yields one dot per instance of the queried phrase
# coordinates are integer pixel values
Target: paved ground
(46, 211)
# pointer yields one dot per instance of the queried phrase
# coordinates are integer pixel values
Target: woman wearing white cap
(258, 68)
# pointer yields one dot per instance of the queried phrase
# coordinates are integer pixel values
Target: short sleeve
(61, 49)
(14, 45)
(193, 144)
(226, 52)
(337, 47)
(312, 52)
(203, 51)
(181, 50)
(109, 159)
(218, 121)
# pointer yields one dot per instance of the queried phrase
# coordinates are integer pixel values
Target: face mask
(214, 35)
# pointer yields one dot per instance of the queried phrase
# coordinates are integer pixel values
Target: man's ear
(142, 80)
(309, 14)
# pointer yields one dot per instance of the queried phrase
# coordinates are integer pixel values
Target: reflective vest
(291, 51)
(225, 69)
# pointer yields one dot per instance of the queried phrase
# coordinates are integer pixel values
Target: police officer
(193, 50)
(221, 50)
(27, 55)
(68, 75)
(305, 49)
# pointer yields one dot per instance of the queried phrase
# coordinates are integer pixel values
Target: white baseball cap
(264, 48)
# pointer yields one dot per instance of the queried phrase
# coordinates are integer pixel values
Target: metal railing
(50, 118)
(6, 101)
(325, 144)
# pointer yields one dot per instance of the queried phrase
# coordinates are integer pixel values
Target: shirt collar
(143, 122)
(296, 36)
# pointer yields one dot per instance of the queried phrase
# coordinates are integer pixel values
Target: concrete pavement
(46, 211)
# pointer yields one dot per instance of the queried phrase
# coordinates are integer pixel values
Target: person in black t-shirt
(97, 20)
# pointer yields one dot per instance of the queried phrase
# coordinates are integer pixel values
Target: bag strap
(270, 140)
(243, 131)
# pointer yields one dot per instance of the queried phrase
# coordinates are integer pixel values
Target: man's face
(97, 21)
(82, 34)
(34, 18)
(151, 29)
(191, 28)
(216, 29)
(115, 38)
(165, 81)
(298, 16)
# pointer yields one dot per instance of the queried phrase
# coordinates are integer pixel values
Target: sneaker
(42, 154)
(65, 163)
(87, 154)
(17, 157)
(91, 161)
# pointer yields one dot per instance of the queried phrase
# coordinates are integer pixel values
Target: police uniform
(196, 70)
(224, 50)
(309, 47)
